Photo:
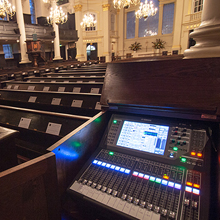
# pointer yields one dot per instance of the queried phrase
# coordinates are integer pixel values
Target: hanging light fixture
(49, 1)
(6, 9)
(88, 20)
(146, 10)
(57, 15)
(118, 4)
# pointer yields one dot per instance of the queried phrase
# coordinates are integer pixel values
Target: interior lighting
(57, 15)
(146, 10)
(119, 4)
(6, 9)
(88, 21)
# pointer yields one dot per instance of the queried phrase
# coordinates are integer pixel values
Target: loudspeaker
(17, 31)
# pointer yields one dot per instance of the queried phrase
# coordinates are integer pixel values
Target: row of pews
(36, 111)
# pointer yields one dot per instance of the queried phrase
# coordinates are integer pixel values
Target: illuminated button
(115, 121)
(173, 141)
(103, 164)
(158, 180)
(183, 160)
(170, 184)
(196, 186)
(127, 171)
(146, 177)
(95, 161)
(112, 167)
(108, 165)
(99, 162)
(188, 189)
(189, 184)
(175, 148)
(199, 154)
(135, 174)
(165, 177)
(196, 191)
(141, 175)
(178, 142)
(164, 182)
(193, 153)
(117, 168)
(171, 155)
(152, 178)
(111, 153)
(122, 170)
(177, 186)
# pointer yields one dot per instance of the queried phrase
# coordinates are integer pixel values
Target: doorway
(91, 51)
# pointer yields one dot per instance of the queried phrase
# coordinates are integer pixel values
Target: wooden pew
(69, 73)
(66, 79)
(57, 86)
(8, 153)
(30, 190)
(38, 129)
(51, 101)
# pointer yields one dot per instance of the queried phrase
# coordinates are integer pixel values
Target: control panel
(147, 169)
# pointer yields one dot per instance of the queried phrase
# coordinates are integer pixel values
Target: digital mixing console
(149, 168)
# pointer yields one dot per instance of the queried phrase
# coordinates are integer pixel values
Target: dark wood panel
(193, 83)
(30, 190)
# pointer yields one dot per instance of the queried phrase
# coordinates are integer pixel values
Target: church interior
(109, 110)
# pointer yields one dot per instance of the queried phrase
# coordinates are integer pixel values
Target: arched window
(131, 24)
(168, 14)
(149, 26)
(32, 10)
(7, 51)
(197, 5)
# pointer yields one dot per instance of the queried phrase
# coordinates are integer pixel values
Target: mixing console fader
(147, 169)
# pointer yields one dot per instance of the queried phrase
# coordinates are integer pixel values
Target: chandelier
(57, 15)
(6, 8)
(118, 4)
(146, 10)
(88, 21)
(49, 1)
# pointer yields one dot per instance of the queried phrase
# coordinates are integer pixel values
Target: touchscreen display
(144, 137)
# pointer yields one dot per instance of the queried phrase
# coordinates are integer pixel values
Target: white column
(20, 21)
(66, 51)
(57, 36)
(177, 28)
(79, 44)
(207, 34)
(121, 31)
(107, 28)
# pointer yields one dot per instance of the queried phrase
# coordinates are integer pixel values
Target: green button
(178, 142)
(111, 153)
(183, 160)
(173, 140)
(115, 121)
(175, 148)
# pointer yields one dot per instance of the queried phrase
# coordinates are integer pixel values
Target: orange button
(189, 184)
(193, 153)
(196, 185)
(166, 177)
(199, 154)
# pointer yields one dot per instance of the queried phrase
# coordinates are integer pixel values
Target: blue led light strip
(158, 180)
(111, 166)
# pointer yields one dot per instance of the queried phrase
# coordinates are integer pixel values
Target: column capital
(106, 7)
(77, 7)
